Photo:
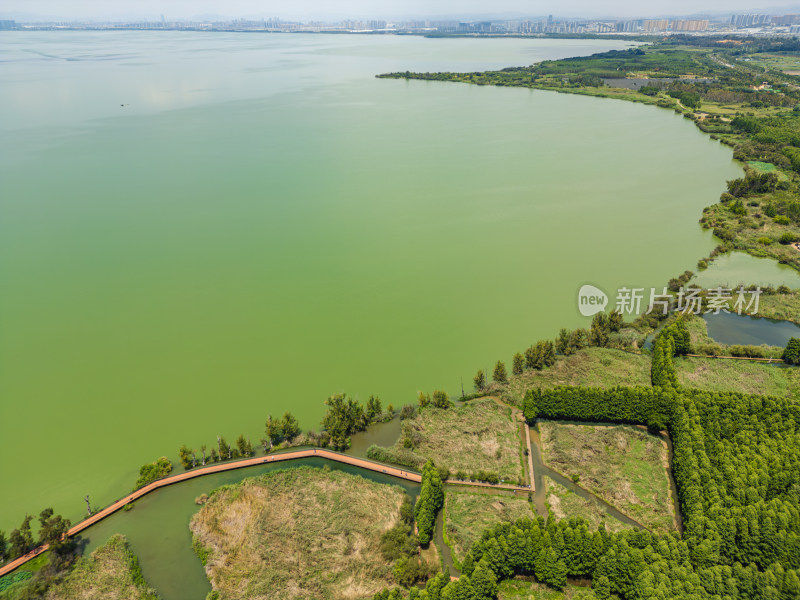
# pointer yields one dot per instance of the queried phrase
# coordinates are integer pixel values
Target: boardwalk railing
(240, 464)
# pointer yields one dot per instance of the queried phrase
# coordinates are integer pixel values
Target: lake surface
(201, 229)
(731, 328)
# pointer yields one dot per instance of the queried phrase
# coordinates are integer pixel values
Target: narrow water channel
(444, 549)
(541, 470)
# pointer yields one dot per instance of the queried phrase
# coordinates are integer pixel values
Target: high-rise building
(690, 25)
(750, 20)
(8, 25)
(786, 20)
(655, 25)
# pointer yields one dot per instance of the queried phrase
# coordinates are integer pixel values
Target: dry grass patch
(301, 533)
(623, 465)
(749, 377)
(479, 436)
(468, 515)
(111, 573)
(565, 503)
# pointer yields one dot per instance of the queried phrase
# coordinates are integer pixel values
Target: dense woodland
(737, 469)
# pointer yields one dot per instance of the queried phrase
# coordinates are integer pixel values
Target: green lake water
(201, 229)
(737, 268)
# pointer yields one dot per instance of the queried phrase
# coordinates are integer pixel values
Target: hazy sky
(81, 9)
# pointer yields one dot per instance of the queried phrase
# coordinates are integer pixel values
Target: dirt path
(250, 462)
(768, 360)
(524, 433)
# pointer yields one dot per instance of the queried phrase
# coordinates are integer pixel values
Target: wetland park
(234, 228)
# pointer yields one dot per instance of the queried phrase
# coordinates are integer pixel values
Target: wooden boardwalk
(240, 464)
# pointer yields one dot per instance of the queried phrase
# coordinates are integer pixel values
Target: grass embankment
(301, 533)
(744, 376)
(468, 515)
(784, 307)
(623, 465)
(479, 436)
(597, 367)
(111, 573)
(565, 504)
(519, 589)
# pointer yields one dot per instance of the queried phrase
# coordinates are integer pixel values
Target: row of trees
(191, 458)
(543, 353)
(737, 469)
(429, 502)
(346, 416)
(275, 430)
(53, 530)
(439, 399)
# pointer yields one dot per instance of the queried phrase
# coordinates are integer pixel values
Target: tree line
(543, 353)
(429, 502)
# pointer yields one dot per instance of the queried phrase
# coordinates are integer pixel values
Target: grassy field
(565, 504)
(481, 435)
(301, 533)
(467, 515)
(597, 367)
(518, 589)
(742, 375)
(111, 573)
(624, 465)
(785, 307)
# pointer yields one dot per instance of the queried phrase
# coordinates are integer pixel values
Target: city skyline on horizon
(183, 10)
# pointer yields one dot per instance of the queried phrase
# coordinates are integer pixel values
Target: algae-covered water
(201, 229)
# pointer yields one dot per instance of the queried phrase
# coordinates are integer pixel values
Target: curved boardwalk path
(239, 464)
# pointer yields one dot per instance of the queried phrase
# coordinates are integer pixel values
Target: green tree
(291, 428)
(3, 546)
(152, 471)
(185, 455)
(499, 374)
(518, 364)
(273, 429)
(602, 587)
(53, 531)
(429, 501)
(598, 334)
(480, 381)
(344, 417)
(441, 399)
(615, 321)
(224, 449)
(564, 342)
(374, 410)
(243, 445)
(791, 354)
(21, 539)
(484, 582)
(423, 399)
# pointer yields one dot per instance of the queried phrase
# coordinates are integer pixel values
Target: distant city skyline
(386, 9)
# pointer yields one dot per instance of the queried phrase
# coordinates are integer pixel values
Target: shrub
(152, 471)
